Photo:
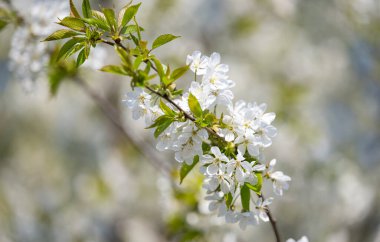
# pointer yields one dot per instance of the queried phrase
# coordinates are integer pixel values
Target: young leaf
(257, 187)
(208, 119)
(114, 70)
(129, 13)
(73, 23)
(135, 39)
(161, 128)
(81, 57)
(228, 197)
(125, 58)
(245, 196)
(194, 106)
(159, 121)
(98, 19)
(130, 29)
(86, 9)
(163, 39)
(177, 73)
(137, 62)
(185, 168)
(110, 17)
(159, 67)
(73, 10)
(66, 49)
(166, 109)
(61, 34)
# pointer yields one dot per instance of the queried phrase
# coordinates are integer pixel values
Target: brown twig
(273, 221)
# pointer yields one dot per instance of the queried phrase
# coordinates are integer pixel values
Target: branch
(273, 221)
(209, 130)
(110, 112)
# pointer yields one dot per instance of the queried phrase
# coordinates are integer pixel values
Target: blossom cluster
(28, 55)
(242, 130)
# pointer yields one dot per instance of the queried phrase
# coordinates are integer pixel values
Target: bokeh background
(66, 174)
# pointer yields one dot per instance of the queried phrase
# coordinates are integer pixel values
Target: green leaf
(159, 67)
(100, 20)
(166, 81)
(81, 57)
(129, 13)
(177, 92)
(161, 123)
(135, 39)
(61, 34)
(73, 23)
(168, 111)
(73, 10)
(110, 17)
(86, 9)
(228, 198)
(137, 62)
(160, 120)
(163, 39)
(177, 73)
(257, 187)
(185, 168)
(208, 119)
(67, 49)
(125, 58)
(130, 29)
(194, 106)
(245, 196)
(162, 127)
(114, 70)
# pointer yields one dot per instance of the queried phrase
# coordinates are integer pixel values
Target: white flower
(167, 138)
(202, 93)
(221, 97)
(189, 143)
(28, 55)
(152, 114)
(247, 142)
(221, 179)
(139, 101)
(279, 179)
(197, 62)
(215, 70)
(229, 132)
(212, 164)
(303, 239)
(262, 207)
(247, 218)
(259, 115)
(240, 167)
(219, 206)
(264, 133)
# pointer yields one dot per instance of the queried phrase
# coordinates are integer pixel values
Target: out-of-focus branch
(111, 113)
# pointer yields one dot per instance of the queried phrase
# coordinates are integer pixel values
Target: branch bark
(273, 222)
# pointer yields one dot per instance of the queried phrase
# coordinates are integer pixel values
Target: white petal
(268, 118)
(271, 131)
(216, 151)
(264, 216)
(212, 169)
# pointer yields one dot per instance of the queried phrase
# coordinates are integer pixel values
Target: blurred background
(66, 174)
